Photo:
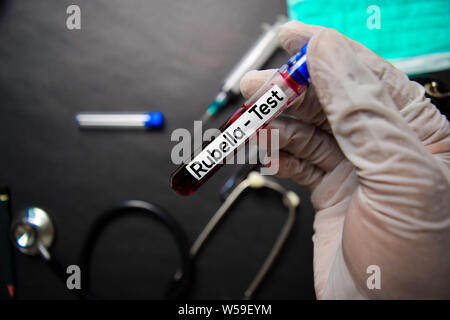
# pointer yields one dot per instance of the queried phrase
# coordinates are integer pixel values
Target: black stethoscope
(33, 234)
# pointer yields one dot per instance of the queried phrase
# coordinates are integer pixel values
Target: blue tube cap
(297, 67)
(155, 120)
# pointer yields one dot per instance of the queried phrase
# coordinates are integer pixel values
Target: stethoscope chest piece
(33, 232)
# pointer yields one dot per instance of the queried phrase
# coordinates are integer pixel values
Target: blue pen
(145, 120)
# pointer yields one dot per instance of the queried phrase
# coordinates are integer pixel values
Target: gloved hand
(375, 154)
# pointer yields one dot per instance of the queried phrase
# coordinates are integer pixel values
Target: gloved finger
(298, 170)
(402, 200)
(424, 118)
(253, 80)
(308, 142)
(366, 123)
(306, 107)
(430, 126)
(309, 110)
(293, 35)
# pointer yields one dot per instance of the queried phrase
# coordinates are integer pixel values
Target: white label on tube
(238, 132)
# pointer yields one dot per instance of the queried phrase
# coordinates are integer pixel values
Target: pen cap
(155, 120)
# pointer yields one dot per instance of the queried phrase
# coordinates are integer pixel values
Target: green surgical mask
(413, 34)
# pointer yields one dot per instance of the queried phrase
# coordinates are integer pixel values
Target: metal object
(433, 91)
(254, 180)
(33, 232)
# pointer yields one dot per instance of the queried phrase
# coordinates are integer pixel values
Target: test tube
(288, 83)
(145, 120)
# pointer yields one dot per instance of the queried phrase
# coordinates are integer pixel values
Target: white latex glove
(375, 154)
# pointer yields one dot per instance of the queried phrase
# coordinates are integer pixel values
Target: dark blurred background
(134, 55)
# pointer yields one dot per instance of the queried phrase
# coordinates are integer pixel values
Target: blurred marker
(147, 120)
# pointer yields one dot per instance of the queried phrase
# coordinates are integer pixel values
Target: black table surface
(134, 55)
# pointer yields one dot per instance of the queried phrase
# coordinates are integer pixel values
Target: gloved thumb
(389, 158)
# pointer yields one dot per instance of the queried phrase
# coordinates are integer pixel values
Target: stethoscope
(33, 234)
